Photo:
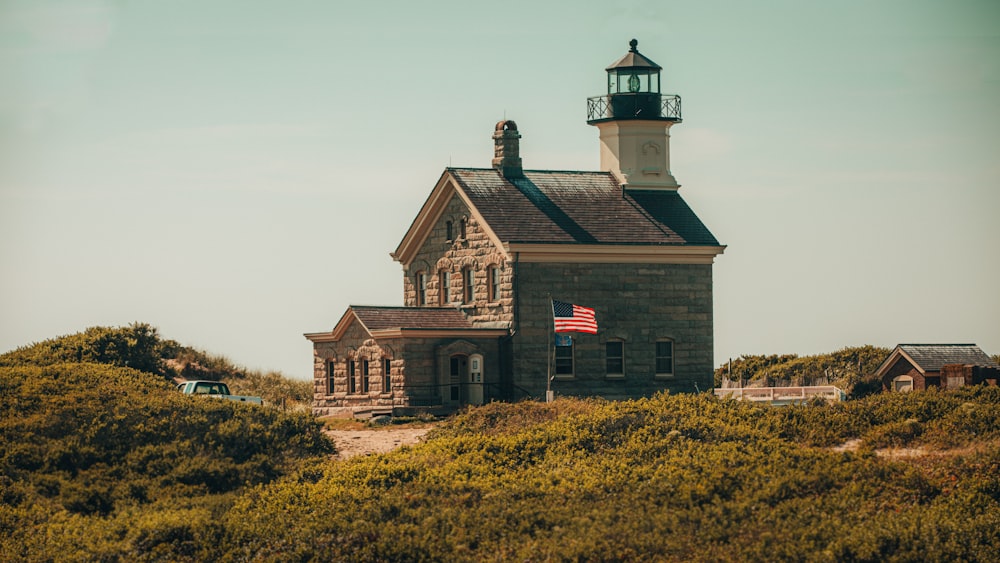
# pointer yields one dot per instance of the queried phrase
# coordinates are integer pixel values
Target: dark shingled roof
(546, 207)
(380, 318)
(931, 357)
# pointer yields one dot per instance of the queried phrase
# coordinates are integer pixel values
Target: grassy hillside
(851, 369)
(99, 461)
(675, 478)
(140, 346)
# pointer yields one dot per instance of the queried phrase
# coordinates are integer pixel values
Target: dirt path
(352, 443)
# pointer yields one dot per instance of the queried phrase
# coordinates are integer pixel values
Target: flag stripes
(568, 317)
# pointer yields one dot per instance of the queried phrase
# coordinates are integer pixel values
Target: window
(902, 383)
(421, 289)
(614, 358)
(444, 293)
(365, 373)
(386, 375)
(467, 287)
(448, 234)
(352, 383)
(664, 357)
(330, 364)
(493, 281)
(564, 354)
(461, 229)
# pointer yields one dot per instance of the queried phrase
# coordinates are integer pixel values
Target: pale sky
(236, 172)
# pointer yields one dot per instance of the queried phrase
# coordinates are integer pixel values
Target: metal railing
(641, 105)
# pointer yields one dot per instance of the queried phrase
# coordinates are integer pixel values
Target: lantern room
(634, 92)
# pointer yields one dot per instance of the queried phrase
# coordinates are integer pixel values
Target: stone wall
(636, 303)
(475, 251)
(419, 370)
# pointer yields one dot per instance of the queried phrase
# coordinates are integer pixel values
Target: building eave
(615, 253)
(439, 333)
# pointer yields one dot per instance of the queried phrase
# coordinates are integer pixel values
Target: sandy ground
(352, 443)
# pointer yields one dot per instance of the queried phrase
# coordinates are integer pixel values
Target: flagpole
(550, 344)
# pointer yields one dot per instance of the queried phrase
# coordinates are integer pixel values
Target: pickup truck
(215, 389)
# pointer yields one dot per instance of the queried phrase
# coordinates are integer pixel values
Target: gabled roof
(548, 207)
(931, 357)
(579, 207)
(386, 322)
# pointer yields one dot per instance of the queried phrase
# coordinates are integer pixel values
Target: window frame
(468, 285)
(571, 360)
(444, 287)
(449, 231)
(620, 357)
(421, 283)
(352, 382)
(657, 357)
(366, 384)
(331, 366)
(493, 283)
(386, 375)
(463, 226)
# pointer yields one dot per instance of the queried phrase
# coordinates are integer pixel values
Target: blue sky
(236, 172)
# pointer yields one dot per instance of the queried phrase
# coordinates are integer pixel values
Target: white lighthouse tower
(634, 119)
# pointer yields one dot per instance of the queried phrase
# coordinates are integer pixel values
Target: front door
(456, 374)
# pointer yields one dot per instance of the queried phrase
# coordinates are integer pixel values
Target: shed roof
(931, 357)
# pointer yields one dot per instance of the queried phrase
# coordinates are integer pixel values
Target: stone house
(946, 366)
(492, 247)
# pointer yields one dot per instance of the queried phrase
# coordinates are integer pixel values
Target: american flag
(573, 318)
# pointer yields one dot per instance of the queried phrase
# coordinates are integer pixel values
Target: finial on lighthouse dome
(633, 44)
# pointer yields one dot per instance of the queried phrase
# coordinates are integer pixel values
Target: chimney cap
(506, 125)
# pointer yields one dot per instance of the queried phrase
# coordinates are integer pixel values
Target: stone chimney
(506, 153)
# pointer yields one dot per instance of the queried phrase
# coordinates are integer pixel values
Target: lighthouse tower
(634, 119)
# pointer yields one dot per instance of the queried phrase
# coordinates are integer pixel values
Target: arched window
(448, 234)
(614, 358)
(902, 383)
(493, 283)
(461, 228)
(664, 357)
(468, 289)
(444, 287)
(421, 284)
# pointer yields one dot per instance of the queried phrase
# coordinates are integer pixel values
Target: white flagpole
(550, 341)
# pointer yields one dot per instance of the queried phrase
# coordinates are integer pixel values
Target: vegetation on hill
(851, 369)
(99, 461)
(140, 346)
(676, 478)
